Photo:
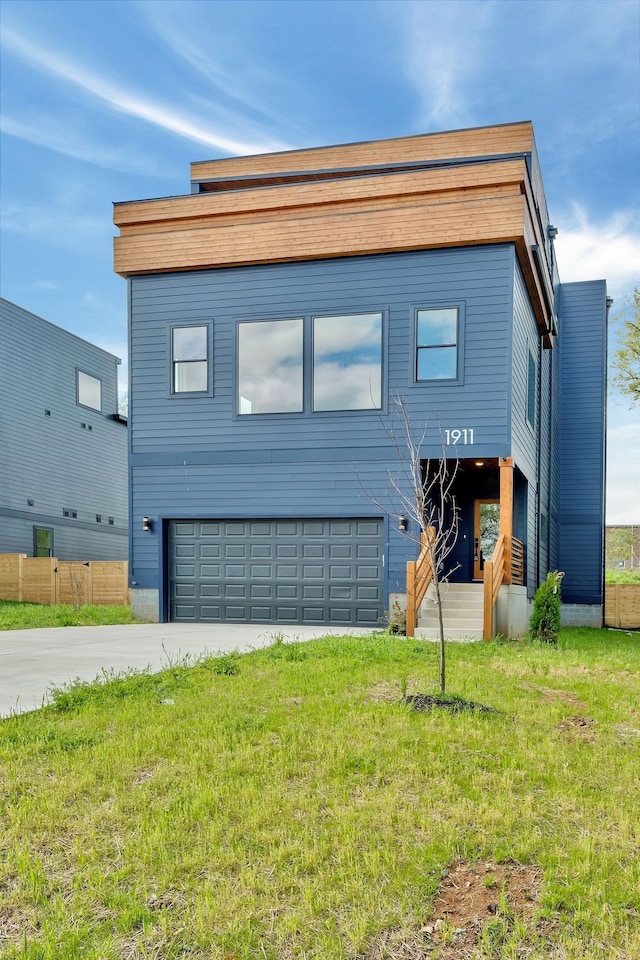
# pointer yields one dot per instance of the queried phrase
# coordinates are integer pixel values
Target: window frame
(49, 530)
(206, 325)
(85, 373)
(265, 318)
(312, 360)
(433, 305)
(307, 319)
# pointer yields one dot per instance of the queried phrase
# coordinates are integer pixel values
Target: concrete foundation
(145, 604)
(513, 611)
(582, 615)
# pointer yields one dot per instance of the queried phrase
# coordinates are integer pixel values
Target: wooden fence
(49, 580)
(622, 605)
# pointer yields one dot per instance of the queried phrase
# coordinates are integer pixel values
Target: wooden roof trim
(478, 141)
(316, 193)
(393, 229)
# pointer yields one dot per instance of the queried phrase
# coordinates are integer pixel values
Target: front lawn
(285, 805)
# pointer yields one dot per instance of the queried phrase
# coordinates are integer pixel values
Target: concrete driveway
(33, 661)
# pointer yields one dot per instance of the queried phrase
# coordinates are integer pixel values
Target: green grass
(26, 616)
(283, 805)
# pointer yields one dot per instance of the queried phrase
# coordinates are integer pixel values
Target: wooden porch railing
(419, 576)
(517, 562)
(497, 572)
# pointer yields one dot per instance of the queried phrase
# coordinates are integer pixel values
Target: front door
(486, 528)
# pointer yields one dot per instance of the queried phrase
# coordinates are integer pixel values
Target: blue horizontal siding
(582, 429)
(192, 457)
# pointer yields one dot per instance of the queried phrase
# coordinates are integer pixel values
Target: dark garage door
(276, 571)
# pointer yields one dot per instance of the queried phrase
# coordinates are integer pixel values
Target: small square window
(189, 359)
(98, 518)
(89, 391)
(111, 521)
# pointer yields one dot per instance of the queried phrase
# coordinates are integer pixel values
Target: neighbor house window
(190, 359)
(42, 542)
(531, 391)
(89, 391)
(347, 362)
(437, 340)
(270, 361)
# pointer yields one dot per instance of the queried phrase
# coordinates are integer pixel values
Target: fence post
(21, 557)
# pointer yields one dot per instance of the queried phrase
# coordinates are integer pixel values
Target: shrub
(545, 616)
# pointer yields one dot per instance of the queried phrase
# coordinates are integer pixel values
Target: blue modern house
(278, 312)
(63, 445)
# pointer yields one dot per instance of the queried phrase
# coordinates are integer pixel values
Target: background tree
(626, 360)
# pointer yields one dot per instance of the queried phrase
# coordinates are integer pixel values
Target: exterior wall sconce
(147, 525)
(552, 232)
(402, 523)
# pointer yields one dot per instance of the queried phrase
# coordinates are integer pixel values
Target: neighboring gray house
(63, 445)
(277, 310)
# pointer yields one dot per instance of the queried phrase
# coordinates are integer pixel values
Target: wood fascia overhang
(473, 142)
(366, 211)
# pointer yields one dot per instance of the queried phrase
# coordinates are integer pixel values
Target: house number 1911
(458, 436)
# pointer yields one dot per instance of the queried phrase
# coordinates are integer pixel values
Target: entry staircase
(468, 608)
(462, 612)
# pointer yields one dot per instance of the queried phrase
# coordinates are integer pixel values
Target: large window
(190, 359)
(270, 366)
(347, 362)
(341, 371)
(437, 340)
(89, 391)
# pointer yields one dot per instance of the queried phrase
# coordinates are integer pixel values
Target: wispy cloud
(203, 53)
(445, 47)
(45, 131)
(54, 224)
(129, 102)
(609, 250)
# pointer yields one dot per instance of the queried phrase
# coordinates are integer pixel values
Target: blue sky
(110, 100)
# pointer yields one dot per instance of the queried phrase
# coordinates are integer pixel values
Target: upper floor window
(190, 359)
(270, 366)
(347, 362)
(437, 341)
(89, 391)
(341, 371)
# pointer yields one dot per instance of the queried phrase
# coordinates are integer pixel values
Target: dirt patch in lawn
(426, 702)
(578, 728)
(476, 905)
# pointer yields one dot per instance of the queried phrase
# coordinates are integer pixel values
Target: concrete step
(453, 633)
(462, 612)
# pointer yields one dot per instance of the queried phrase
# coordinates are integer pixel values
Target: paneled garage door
(276, 571)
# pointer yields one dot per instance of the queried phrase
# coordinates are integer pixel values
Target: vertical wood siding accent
(583, 372)
(192, 457)
(51, 459)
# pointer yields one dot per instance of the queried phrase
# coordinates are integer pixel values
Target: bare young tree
(421, 489)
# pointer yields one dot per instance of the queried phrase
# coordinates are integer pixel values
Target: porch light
(402, 523)
(479, 463)
(147, 525)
